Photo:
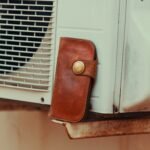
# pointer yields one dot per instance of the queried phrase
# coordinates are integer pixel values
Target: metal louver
(26, 43)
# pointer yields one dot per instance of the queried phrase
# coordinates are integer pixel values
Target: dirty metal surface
(99, 125)
(95, 125)
(10, 105)
(108, 128)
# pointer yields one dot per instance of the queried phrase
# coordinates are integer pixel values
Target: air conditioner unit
(30, 31)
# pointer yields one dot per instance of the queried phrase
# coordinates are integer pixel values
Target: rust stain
(107, 128)
(144, 105)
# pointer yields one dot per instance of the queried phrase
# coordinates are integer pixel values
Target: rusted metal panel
(112, 125)
(107, 128)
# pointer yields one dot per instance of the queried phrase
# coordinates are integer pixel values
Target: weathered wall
(22, 130)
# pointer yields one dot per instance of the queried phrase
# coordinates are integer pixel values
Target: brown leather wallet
(76, 66)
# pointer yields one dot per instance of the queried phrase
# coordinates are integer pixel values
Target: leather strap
(90, 68)
(71, 92)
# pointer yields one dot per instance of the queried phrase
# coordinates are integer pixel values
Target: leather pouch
(76, 67)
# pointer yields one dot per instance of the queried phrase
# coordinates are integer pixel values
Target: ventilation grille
(26, 43)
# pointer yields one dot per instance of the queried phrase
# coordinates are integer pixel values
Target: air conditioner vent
(26, 43)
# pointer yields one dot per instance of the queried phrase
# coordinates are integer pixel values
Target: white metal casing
(135, 93)
(95, 20)
(110, 25)
(33, 81)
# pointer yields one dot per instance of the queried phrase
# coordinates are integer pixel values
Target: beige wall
(23, 130)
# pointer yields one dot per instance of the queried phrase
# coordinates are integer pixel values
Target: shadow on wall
(22, 130)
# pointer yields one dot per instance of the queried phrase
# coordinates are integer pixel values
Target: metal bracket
(107, 128)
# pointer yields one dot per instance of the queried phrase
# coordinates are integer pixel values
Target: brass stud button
(78, 67)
